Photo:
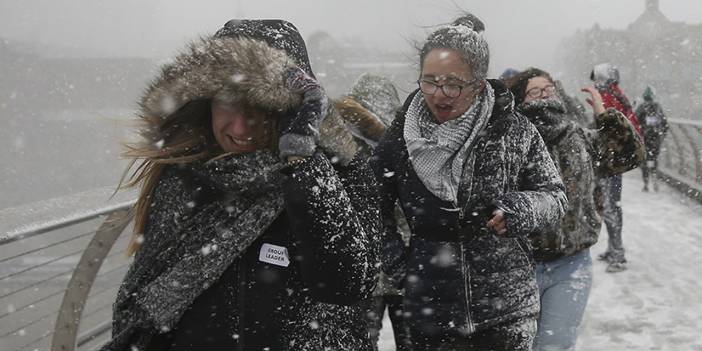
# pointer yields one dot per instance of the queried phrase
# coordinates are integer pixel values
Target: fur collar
(234, 69)
(224, 68)
(363, 123)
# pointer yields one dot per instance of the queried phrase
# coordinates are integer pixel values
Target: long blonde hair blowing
(177, 139)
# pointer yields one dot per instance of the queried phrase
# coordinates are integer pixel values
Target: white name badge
(274, 254)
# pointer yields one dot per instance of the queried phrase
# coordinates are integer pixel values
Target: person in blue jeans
(582, 157)
(565, 288)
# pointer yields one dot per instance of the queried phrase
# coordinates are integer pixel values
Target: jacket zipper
(466, 289)
(466, 274)
(241, 300)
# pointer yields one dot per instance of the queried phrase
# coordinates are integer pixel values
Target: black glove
(299, 128)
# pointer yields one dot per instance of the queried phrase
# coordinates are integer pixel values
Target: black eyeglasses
(537, 92)
(451, 90)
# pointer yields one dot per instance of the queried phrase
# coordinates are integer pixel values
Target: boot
(615, 267)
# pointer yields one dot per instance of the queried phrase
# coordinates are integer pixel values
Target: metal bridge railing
(59, 277)
(680, 161)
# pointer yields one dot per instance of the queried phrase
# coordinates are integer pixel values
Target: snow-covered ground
(657, 303)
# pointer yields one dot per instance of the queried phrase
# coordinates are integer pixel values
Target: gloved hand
(299, 128)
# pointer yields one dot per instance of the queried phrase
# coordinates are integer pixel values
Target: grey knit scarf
(442, 154)
(220, 232)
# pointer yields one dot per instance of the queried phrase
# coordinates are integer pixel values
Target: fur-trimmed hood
(233, 69)
(228, 69)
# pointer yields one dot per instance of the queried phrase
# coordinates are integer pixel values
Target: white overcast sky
(520, 32)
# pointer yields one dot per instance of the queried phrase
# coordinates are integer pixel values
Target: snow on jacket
(460, 277)
(582, 156)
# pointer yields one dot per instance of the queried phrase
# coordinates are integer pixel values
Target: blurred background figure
(368, 110)
(654, 124)
(508, 74)
(574, 108)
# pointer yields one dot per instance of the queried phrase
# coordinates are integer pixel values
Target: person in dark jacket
(249, 236)
(606, 79)
(474, 179)
(582, 156)
(368, 111)
(655, 126)
(508, 74)
(574, 109)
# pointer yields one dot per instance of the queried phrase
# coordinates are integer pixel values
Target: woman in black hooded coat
(249, 236)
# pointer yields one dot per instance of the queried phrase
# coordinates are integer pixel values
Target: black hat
(278, 34)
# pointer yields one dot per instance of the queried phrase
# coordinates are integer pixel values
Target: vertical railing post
(680, 151)
(68, 320)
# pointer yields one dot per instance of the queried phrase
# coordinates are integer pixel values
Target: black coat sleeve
(334, 218)
(384, 163)
(540, 202)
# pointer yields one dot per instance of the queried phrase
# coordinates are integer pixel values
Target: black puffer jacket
(459, 276)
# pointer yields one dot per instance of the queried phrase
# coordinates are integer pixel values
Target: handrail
(685, 122)
(31, 230)
(36, 218)
(61, 220)
(680, 161)
(70, 313)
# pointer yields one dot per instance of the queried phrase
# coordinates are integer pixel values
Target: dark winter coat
(329, 226)
(575, 109)
(583, 156)
(460, 277)
(366, 111)
(654, 123)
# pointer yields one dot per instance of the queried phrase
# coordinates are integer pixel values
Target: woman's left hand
(498, 222)
(299, 128)
(595, 100)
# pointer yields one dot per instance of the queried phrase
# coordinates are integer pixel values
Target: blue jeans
(564, 285)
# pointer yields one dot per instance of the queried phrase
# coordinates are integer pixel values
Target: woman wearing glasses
(582, 156)
(473, 179)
